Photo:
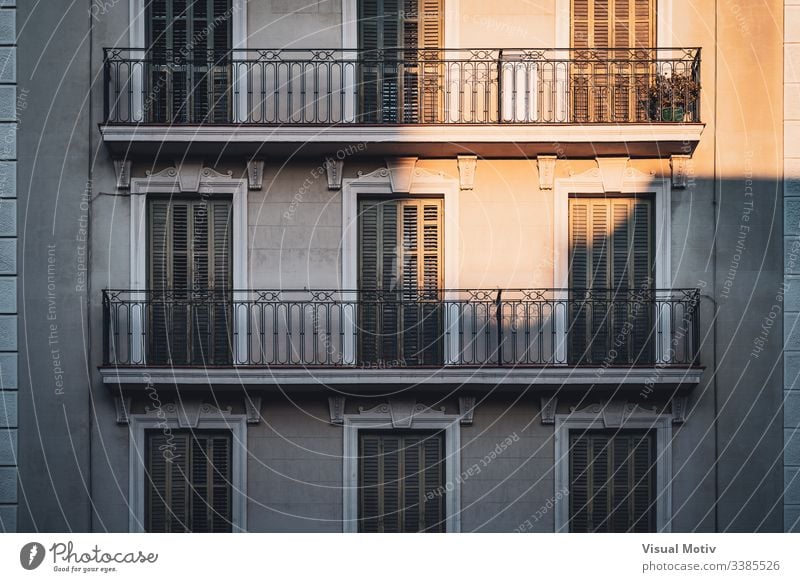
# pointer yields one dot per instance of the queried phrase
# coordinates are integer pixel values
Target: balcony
(435, 102)
(569, 335)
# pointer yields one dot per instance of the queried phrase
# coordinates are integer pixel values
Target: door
(188, 61)
(400, 282)
(611, 279)
(401, 482)
(612, 85)
(190, 274)
(400, 62)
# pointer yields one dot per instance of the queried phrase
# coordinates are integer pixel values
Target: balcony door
(399, 61)
(610, 85)
(611, 279)
(188, 61)
(189, 283)
(400, 282)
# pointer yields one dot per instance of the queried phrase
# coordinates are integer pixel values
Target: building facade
(383, 265)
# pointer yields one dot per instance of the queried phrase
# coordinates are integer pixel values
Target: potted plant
(673, 97)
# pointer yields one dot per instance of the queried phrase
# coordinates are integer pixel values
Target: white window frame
(168, 182)
(137, 40)
(139, 423)
(380, 418)
(592, 182)
(378, 183)
(593, 418)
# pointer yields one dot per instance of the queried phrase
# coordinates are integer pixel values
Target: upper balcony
(431, 102)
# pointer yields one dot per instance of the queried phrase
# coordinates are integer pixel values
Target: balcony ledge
(373, 379)
(657, 140)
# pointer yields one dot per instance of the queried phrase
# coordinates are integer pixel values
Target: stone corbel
(401, 172)
(466, 409)
(680, 405)
(549, 409)
(255, 174)
(122, 404)
(547, 171)
(252, 407)
(466, 171)
(122, 168)
(336, 408)
(679, 165)
(334, 168)
(612, 172)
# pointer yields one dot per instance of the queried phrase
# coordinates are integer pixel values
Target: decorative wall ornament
(679, 165)
(188, 413)
(122, 168)
(402, 412)
(401, 171)
(615, 413)
(336, 407)
(252, 408)
(334, 168)
(547, 171)
(255, 174)
(612, 173)
(122, 404)
(549, 404)
(680, 407)
(379, 173)
(466, 409)
(466, 171)
(188, 174)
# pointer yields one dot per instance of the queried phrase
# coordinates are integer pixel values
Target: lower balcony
(546, 336)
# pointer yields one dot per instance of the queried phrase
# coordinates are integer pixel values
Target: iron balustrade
(381, 329)
(403, 86)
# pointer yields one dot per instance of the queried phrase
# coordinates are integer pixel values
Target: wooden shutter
(190, 279)
(401, 482)
(612, 481)
(613, 24)
(188, 481)
(400, 278)
(611, 254)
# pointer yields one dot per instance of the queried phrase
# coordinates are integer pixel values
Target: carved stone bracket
(122, 404)
(466, 171)
(401, 171)
(466, 409)
(255, 174)
(549, 404)
(334, 168)
(336, 408)
(547, 171)
(188, 413)
(612, 172)
(680, 406)
(252, 407)
(679, 165)
(122, 168)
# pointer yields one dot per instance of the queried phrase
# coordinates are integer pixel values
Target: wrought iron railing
(403, 86)
(600, 328)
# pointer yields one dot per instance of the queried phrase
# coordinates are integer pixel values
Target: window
(399, 83)
(612, 85)
(401, 482)
(188, 481)
(189, 44)
(612, 481)
(400, 281)
(611, 274)
(189, 280)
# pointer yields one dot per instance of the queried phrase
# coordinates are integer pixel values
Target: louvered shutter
(611, 255)
(401, 482)
(167, 482)
(612, 482)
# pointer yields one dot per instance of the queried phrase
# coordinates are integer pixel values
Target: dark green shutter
(190, 280)
(612, 481)
(188, 481)
(401, 482)
(611, 256)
